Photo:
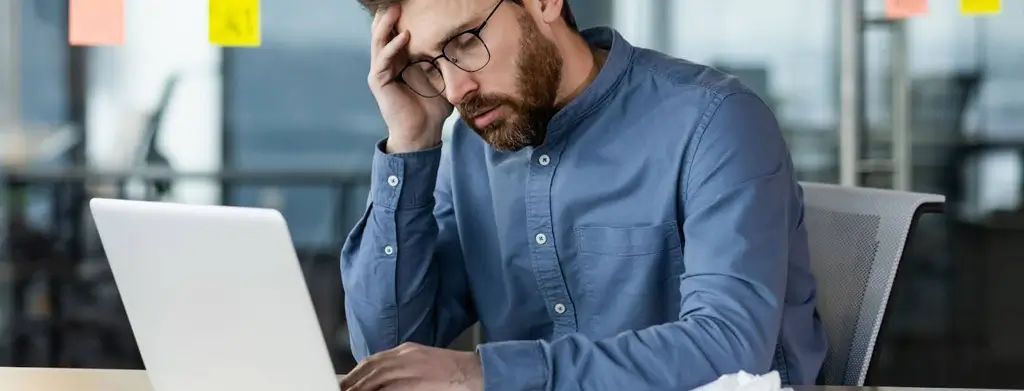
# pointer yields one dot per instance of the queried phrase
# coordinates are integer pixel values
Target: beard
(538, 74)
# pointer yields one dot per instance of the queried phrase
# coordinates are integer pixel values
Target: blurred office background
(290, 125)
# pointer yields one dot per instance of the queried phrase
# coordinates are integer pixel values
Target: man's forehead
(428, 21)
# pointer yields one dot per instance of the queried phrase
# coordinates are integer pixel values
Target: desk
(63, 379)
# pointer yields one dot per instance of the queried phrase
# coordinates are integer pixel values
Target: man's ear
(551, 10)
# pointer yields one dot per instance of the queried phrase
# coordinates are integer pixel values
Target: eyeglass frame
(433, 61)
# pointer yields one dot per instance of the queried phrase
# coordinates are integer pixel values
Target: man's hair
(374, 5)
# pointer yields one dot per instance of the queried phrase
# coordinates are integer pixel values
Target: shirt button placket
(546, 265)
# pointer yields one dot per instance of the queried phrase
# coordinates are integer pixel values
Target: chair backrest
(857, 237)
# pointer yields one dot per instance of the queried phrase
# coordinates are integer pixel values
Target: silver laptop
(215, 296)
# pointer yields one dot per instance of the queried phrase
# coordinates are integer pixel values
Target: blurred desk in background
(24, 146)
(64, 379)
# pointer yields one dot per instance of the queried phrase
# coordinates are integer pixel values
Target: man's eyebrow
(452, 33)
(455, 31)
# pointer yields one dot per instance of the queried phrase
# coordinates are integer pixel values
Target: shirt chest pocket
(620, 262)
(627, 242)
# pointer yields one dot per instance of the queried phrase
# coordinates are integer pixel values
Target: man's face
(509, 101)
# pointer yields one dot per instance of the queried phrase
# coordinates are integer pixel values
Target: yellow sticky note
(235, 22)
(980, 6)
(898, 9)
(96, 22)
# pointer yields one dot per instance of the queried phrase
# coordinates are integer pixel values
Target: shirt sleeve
(393, 260)
(739, 193)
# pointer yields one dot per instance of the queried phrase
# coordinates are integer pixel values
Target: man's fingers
(381, 33)
(350, 379)
(374, 380)
(408, 384)
(387, 372)
(384, 65)
(367, 365)
(376, 18)
(362, 369)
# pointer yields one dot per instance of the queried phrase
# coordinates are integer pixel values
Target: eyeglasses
(466, 51)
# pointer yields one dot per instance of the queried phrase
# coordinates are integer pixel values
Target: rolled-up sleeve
(737, 220)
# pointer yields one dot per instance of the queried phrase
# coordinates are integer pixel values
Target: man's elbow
(738, 344)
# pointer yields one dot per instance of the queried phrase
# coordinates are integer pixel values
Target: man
(614, 218)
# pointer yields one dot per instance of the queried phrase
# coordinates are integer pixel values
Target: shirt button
(389, 250)
(393, 181)
(541, 239)
(560, 308)
(544, 160)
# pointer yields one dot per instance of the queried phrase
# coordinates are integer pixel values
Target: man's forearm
(390, 286)
(680, 355)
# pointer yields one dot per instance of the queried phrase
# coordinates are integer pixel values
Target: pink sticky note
(96, 22)
(898, 9)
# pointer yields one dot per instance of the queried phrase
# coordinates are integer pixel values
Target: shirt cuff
(513, 365)
(404, 180)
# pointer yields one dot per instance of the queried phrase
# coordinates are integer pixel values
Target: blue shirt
(654, 241)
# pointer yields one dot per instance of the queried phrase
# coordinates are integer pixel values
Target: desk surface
(63, 379)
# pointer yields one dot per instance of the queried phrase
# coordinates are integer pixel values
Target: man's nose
(458, 83)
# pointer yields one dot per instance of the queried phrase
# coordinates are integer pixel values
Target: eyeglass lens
(466, 51)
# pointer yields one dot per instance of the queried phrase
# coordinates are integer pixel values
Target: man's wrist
(414, 144)
(473, 372)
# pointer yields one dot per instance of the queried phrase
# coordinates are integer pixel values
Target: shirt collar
(620, 54)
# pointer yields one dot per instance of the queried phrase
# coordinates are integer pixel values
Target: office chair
(148, 154)
(857, 237)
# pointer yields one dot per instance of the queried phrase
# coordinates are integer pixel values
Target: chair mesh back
(856, 238)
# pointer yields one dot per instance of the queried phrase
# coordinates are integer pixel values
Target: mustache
(478, 104)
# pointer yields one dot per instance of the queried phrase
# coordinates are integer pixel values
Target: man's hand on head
(416, 367)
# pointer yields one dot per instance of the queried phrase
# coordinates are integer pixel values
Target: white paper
(742, 381)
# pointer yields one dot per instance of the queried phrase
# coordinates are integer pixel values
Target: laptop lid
(215, 297)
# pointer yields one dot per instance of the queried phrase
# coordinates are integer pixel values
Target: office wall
(125, 83)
